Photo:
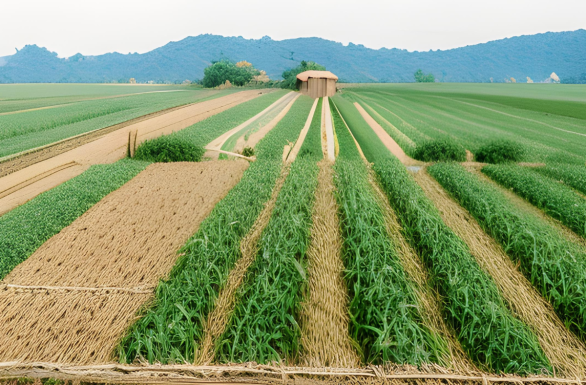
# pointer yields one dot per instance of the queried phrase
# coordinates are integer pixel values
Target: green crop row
(556, 199)
(23, 131)
(264, 326)
(172, 329)
(485, 327)
(473, 306)
(555, 266)
(311, 146)
(570, 174)
(24, 229)
(384, 313)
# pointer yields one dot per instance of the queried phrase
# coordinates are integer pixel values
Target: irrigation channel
(21, 186)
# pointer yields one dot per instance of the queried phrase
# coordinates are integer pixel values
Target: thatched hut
(317, 84)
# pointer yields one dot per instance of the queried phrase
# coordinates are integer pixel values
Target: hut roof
(303, 76)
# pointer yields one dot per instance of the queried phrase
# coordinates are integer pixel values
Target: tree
(420, 77)
(218, 72)
(290, 75)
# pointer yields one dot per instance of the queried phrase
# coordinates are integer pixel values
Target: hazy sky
(98, 26)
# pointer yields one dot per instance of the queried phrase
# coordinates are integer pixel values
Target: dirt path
(565, 352)
(299, 142)
(101, 269)
(217, 143)
(324, 331)
(110, 148)
(329, 130)
(257, 136)
(386, 138)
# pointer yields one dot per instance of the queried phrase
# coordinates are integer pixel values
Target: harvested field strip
(565, 352)
(295, 146)
(188, 296)
(556, 199)
(118, 244)
(64, 326)
(265, 324)
(473, 306)
(130, 238)
(324, 316)
(226, 301)
(24, 229)
(554, 265)
(570, 174)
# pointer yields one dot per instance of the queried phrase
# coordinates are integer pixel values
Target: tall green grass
(556, 199)
(485, 327)
(172, 329)
(472, 304)
(555, 266)
(570, 174)
(24, 229)
(264, 326)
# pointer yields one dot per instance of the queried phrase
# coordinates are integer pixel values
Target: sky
(95, 27)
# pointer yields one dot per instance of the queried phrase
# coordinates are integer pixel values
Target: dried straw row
(565, 352)
(257, 374)
(324, 332)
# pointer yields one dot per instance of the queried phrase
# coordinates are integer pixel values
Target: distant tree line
(220, 71)
(579, 79)
(420, 77)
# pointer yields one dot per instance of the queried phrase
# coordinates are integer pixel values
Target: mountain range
(533, 56)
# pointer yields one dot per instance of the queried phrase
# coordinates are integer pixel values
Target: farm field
(307, 241)
(36, 115)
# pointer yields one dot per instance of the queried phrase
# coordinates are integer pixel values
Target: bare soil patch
(565, 352)
(324, 331)
(129, 240)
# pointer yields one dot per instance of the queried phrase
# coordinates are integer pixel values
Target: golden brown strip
(324, 333)
(565, 352)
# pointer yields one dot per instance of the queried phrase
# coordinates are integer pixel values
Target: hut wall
(318, 88)
(331, 87)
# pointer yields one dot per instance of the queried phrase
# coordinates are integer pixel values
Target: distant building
(132, 81)
(317, 84)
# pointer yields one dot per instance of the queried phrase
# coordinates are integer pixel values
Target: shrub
(248, 151)
(500, 151)
(440, 150)
(169, 148)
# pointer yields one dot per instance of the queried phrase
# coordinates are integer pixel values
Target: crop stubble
(128, 240)
(325, 334)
